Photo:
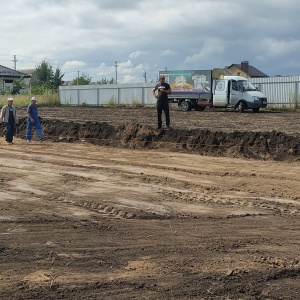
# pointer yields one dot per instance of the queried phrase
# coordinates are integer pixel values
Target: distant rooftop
(250, 70)
(27, 71)
(7, 72)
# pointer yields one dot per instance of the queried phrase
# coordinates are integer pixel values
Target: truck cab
(237, 92)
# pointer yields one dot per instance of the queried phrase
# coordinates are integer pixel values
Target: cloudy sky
(146, 36)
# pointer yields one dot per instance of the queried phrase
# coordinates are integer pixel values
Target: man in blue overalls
(33, 121)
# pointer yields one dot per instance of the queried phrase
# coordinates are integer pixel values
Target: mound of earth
(257, 145)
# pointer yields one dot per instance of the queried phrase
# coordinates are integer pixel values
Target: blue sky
(147, 36)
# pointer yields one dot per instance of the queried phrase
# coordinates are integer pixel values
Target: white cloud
(137, 54)
(73, 64)
(128, 79)
(167, 52)
(105, 71)
(209, 49)
(90, 36)
(126, 67)
(281, 47)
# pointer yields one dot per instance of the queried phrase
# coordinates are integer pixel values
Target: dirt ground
(109, 208)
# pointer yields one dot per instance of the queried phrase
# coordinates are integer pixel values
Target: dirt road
(81, 221)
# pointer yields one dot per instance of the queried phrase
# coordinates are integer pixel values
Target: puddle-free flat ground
(82, 220)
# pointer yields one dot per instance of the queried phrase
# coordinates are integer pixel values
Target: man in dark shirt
(8, 115)
(162, 104)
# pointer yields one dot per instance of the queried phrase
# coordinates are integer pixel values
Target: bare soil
(110, 208)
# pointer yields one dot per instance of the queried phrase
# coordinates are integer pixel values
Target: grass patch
(47, 99)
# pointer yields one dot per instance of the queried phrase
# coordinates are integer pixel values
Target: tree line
(47, 78)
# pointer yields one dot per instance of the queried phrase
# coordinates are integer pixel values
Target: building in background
(29, 73)
(7, 78)
(245, 70)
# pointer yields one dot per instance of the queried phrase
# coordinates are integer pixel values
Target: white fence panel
(281, 91)
(68, 97)
(87, 96)
(131, 95)
(112, 94)
(108, 96)
(149, 100)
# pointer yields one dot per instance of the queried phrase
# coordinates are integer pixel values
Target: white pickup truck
(197, 89)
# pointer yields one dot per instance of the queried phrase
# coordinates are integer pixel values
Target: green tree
(44, 78)
(106, 81)
(57, 78)
(82, 80)
(44, 74)
(1, 87)
(18, 85)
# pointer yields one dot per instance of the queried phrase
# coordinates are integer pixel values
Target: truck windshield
(247, 85)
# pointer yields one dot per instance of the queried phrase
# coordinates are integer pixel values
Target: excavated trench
(271, 145)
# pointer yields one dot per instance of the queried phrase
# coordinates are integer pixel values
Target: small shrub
(111, 102)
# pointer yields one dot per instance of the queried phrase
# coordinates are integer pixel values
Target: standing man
(9, 116)
(33, 121)
(164, 90)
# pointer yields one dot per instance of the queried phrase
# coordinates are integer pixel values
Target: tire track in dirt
(185, 190)
(101, 221)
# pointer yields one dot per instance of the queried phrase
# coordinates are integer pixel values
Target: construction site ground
(108, 207)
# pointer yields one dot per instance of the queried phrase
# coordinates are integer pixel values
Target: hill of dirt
(267, 135)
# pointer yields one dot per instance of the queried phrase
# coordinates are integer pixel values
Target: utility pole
(145, 76)
(15, 62)
(116, 66)
(77, 77)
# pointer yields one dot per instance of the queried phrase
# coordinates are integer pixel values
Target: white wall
(280, 92)
(108, 94)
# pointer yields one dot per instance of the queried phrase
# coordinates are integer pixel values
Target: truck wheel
(241, 107)
(199, 108)
(255, 110)
(185, 106)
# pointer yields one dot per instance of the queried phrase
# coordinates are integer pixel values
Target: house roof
(27, 71)
(252, 71)
(7, 72)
